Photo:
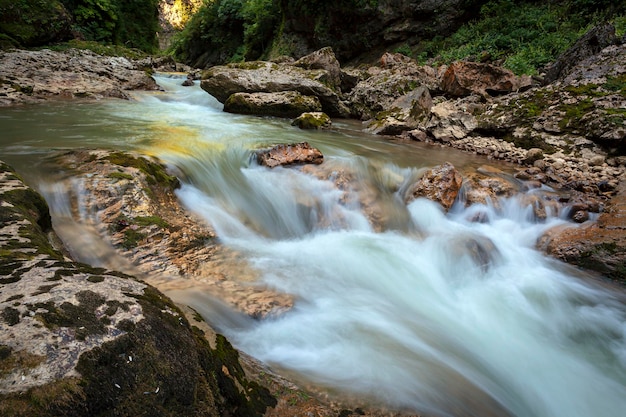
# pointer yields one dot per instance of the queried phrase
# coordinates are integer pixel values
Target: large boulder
(267, 77)
(289, 154)
(463, 78)
(397, 76)
(77, 340)
(323, 59)
(282, 104)
(31, 76)
(440, 184)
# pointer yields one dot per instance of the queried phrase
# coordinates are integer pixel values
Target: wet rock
(38, 75)
(290, 154)
(188, 81)
(465, 78)
(599, 245)
(287, 104)
(89, 339)
(487, 187)
(312, 120)
(440, 184)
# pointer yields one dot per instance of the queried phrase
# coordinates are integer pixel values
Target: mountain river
(403, 315)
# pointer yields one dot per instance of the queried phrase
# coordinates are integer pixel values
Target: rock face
(440, 184)
(297, 153)
(282, 104)
(32, 76)
(266, 77)
(312, 120)
(78, 340)
(465, 78)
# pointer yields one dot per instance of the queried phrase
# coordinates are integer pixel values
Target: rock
(88, 340)
(487, 186)
(188, 81)
(464, 78)
(598, 38)
(379, 91)
(312, 120)
(282, 104)
(323, 59)
(440, 184)
(290, 154)
(267, 77)
(597, 245)
(533, 155)
(38, 75)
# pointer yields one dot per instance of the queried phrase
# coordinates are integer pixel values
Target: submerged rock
(291, 154)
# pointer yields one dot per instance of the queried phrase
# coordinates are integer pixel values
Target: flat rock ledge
(289, 154)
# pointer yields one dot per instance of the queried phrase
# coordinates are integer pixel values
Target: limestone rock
(464, 78)
(32, 76)
(78, 340)
(323, 59)
(290, 154)
(282, 104)
(440, 184)
(267, 77)
(312, 120)
(386, 84)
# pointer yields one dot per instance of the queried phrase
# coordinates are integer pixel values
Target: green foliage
(33, 22)
(535, 34)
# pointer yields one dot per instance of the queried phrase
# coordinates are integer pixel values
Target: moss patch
(155, 173)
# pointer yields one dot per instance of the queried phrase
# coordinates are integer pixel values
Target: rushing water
(429, 312)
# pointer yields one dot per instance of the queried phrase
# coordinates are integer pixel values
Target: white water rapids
(434, 313)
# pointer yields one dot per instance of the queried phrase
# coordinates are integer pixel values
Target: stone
(268, 77)
(464, 78)
(440, 184)
(81, 74)
(323, 59)
(312, 120)
(88, 339)
(533, 155)
(287, 104)
(289, 154)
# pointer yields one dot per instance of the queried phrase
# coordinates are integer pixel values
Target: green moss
(150, 220)
(132, 238)
(82, 317)
(95, 278)
(44, 289)
(120, 176)
(155, 173)
(574, 112)
(616, 84)
(10, 316)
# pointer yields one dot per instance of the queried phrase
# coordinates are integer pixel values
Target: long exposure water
(404, 315)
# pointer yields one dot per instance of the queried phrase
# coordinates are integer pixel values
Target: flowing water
(428, 311)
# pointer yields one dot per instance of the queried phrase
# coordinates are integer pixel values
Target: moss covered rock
(312, 120)
(282, 104)
(78, 340)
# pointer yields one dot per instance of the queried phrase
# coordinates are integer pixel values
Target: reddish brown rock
(441, 184)
(465, 78)
(290, 154)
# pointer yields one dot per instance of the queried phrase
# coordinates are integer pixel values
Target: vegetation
(536, 32)
(131, 23)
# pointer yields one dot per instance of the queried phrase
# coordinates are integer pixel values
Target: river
(403, 315)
